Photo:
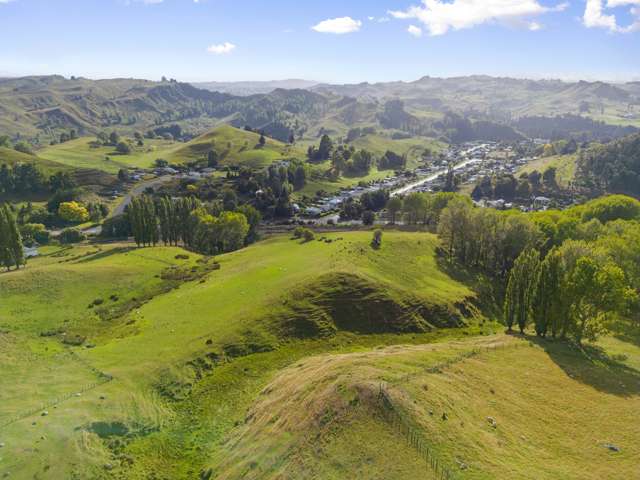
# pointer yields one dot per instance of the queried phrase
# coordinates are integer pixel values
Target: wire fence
(413, 436)
(103, 378)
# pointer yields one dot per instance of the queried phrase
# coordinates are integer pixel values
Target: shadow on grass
(489, 290)
(592, 366)
(105, 254)
(626, 330)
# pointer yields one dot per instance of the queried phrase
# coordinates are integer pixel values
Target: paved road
(136, 191)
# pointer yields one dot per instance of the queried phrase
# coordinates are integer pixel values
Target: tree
(73, 212)
(114, 139)
(520, 290)
(597, 291)
(61, 181)
(394, 205)
(23, 147)
(547, 298)
(325, 148)
(292, 138)
(212, 159)
(123, 148)
(308, 235)
(549, 178)
(71, 235)
(263, 140)
(11, 248)
(253, 219)
(368, 217)
(300, 177)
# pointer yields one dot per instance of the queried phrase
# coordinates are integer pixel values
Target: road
(136, 191)
(430, 178)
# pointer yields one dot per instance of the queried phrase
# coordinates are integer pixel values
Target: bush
(123, 148)
(71, 235)
(308, 235)
(73, 212)
(298, 232)
(34, 232)
(377, 238)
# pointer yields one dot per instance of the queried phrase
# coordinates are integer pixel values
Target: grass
(11, 157)
(565, 165)
(235, 147)
(270, 367)
(535, 393)
(161, 344)
(80, 153)
(412, 147)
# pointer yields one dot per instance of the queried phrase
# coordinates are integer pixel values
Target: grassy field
(80, 153)
(11, 157)
(451, 395)
(565, 165)
(412, 147)
(152, 365)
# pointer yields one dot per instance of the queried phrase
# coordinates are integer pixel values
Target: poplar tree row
(571, 293)
(11, 248)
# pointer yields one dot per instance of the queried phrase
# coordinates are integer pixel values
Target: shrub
(308, 235)
(73, 212)
(377, 238)
(298, 232)
(71, 235)
(34, 232)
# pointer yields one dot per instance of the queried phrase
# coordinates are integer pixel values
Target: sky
(338, 41)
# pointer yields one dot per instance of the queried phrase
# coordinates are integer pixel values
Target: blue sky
(329, 40)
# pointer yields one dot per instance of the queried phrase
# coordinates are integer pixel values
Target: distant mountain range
(452, 109)
(243, 89)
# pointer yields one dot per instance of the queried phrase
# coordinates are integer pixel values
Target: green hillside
(235, 147)
(565, 166)
(266, 306)
(82, 153)
(11, 157)
(275, 362)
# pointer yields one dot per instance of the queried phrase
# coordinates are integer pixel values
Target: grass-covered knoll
(83, 153)
(518, 411)
(257, 298)
(412, 147)
(235, 147)
(565, 166)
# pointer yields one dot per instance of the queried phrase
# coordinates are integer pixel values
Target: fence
(103, 378)
(413, 436)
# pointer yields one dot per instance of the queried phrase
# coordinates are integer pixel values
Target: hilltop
(482, 409)
(40, 108)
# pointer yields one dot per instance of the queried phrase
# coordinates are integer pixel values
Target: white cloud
(222, 49)
(415, 31)
(5, 1)
(338, 26)
(598, 15)
(535, 26)
(439, 16)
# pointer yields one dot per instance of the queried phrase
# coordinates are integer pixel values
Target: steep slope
(483, 409)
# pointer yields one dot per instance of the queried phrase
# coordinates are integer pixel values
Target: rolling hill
(160, 363)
